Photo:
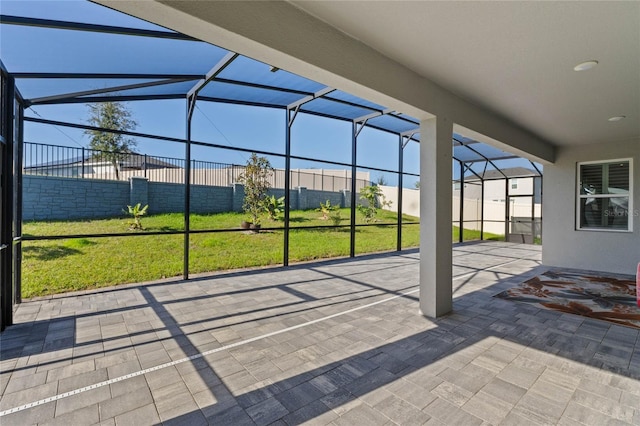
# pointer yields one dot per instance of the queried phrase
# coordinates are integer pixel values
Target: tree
(373, 196)
(114, 116)
(256, 184)
(381, 181)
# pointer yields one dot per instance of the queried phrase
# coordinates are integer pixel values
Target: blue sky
(223, 124)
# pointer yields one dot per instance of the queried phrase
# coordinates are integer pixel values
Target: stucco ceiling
(514, 58)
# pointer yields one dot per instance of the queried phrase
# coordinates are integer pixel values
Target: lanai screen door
(7, 104)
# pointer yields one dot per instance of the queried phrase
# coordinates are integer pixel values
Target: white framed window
(604, 195)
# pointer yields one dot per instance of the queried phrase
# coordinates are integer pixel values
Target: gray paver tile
(125, 402)
(539, 409)
(108, 422)
(600, 389)
(81, 400)
(163, 377)
(613, 409)
(518, 376)
(27, 396)
(267, 411)
(233, 415)
(449, 413)
(123, 369)
(361, 415)
(142, 416)
(71, 370)
(39, 414)
(81, 380)
(452, 393)
(240, 380)
(315, 413)
(514, 419)
(470, 383)
(340, 401)
(323, 384)
(487, 408)
(84, 416)
(400, 411)
(128, 386)
(193, 418)
(375, 397)
(585, 415)
(410, 392)
(551, 391)
(174, 401)
(299, 396)
(19, 383)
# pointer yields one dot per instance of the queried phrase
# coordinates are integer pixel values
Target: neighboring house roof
(131, 161)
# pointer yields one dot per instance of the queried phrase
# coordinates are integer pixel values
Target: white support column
(436, 218)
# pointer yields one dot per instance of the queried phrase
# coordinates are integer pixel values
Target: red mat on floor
(609, 298)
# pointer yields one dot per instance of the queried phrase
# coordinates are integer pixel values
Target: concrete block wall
(51, 198)
(237, 197)
(315, 198)
(169, 198)
(165, 197)
(138, 191)
(55, 198)
(211, 199)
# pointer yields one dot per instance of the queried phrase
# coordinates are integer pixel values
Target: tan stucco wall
(596, 250)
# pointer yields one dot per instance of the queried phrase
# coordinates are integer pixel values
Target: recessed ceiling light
(585, 66)
(618, 118)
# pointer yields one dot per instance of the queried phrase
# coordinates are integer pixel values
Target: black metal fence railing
(85, 163)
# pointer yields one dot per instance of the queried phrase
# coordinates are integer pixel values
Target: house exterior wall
(564, 246)
(494, 203)
(493, 211)
(494, 190)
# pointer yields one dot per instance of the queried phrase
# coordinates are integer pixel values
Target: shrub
(137, 212)
(374, 197)
(326, 208)
(335, 217)
(274, 206)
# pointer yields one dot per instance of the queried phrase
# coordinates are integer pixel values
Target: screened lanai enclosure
(202, 112)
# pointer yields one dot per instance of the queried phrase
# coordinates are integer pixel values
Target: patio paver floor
(338, 342)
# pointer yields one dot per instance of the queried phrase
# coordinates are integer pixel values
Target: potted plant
(256, 183)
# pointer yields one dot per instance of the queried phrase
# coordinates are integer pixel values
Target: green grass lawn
(58, 266)
(471, 235)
